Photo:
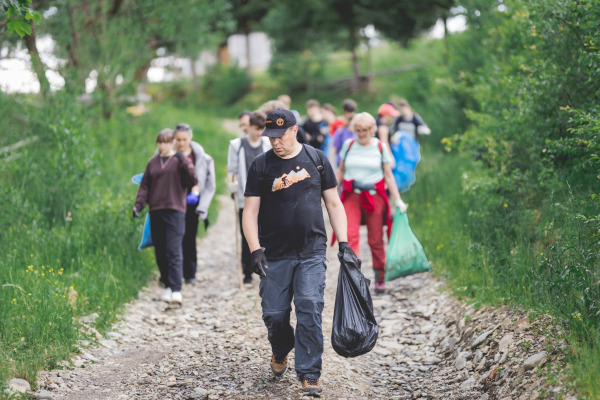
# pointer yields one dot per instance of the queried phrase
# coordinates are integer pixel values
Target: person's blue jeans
(304, 281)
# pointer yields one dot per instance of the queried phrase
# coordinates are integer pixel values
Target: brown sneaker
(278, 366)
(311, 386)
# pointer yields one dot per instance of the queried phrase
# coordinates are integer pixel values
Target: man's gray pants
(304, 281)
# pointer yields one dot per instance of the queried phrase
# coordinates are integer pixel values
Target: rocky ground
(215, 345)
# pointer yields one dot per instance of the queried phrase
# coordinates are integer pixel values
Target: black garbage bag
(354, 327)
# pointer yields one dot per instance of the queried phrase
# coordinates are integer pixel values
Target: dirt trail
(216, 347)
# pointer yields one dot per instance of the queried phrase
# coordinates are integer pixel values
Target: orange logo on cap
(280, 122)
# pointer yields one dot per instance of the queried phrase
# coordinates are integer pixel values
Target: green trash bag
(405, 253)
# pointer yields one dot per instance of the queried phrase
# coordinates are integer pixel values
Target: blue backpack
(405, 150)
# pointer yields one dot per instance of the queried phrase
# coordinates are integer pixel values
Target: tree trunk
(142, 72)
(355, 68)
(36, 61)
(446, 44)
(223, 54)
(369, 76)
(194, 74)
(248, 54)
(73, 73)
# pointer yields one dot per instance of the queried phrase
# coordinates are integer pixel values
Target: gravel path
(216, 346)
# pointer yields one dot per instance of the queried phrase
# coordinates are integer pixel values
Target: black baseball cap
(278, 121)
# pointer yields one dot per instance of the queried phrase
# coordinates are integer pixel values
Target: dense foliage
(18, 16)
(520, 221)
(535, 134)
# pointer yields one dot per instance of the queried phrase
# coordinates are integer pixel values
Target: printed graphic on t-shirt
(287, 180)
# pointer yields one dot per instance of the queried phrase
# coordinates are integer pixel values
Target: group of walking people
(280, 172)
(178, 186)
(364, 174)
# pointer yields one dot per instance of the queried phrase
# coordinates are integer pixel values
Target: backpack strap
(240, 148)
(415, 122)
(313, 154)
(349, 147)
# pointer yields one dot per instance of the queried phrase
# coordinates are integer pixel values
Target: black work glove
(348, 255)
(345, 246)
(258, 260)
(206, 223)
(136, 213)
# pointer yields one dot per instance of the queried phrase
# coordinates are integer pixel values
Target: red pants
(374, 221)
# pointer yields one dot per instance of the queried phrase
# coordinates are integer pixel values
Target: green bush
(224, 85)
(296, 71)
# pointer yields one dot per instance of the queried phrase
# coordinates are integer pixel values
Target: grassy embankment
(68, 241)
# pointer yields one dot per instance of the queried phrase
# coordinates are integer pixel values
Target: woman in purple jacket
(168, 178)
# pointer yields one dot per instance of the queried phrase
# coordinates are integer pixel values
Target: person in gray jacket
(242, 152)
(198, 199)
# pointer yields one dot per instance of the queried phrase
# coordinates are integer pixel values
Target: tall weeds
(68, 241)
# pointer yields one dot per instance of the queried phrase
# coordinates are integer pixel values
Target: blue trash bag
(146, 234)
(137, 179)
(406, 152)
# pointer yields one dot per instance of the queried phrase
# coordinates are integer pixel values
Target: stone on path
(461, 360)
(43, 395)
(467, 384)
(505, 342)
(481, 338)
(535, 360)
(19, 385)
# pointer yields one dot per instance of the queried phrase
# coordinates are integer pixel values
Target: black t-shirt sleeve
(328, 180)
(252, 186)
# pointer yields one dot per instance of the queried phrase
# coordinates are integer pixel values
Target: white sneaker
(167, 295)
(176, 298)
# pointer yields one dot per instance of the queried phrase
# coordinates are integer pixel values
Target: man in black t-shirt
(283, 197)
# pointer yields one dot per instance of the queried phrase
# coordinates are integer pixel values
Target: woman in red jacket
(168, 178)
(365, 172)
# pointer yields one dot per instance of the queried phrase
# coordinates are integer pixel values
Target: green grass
(543, 261)
(78, 257)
